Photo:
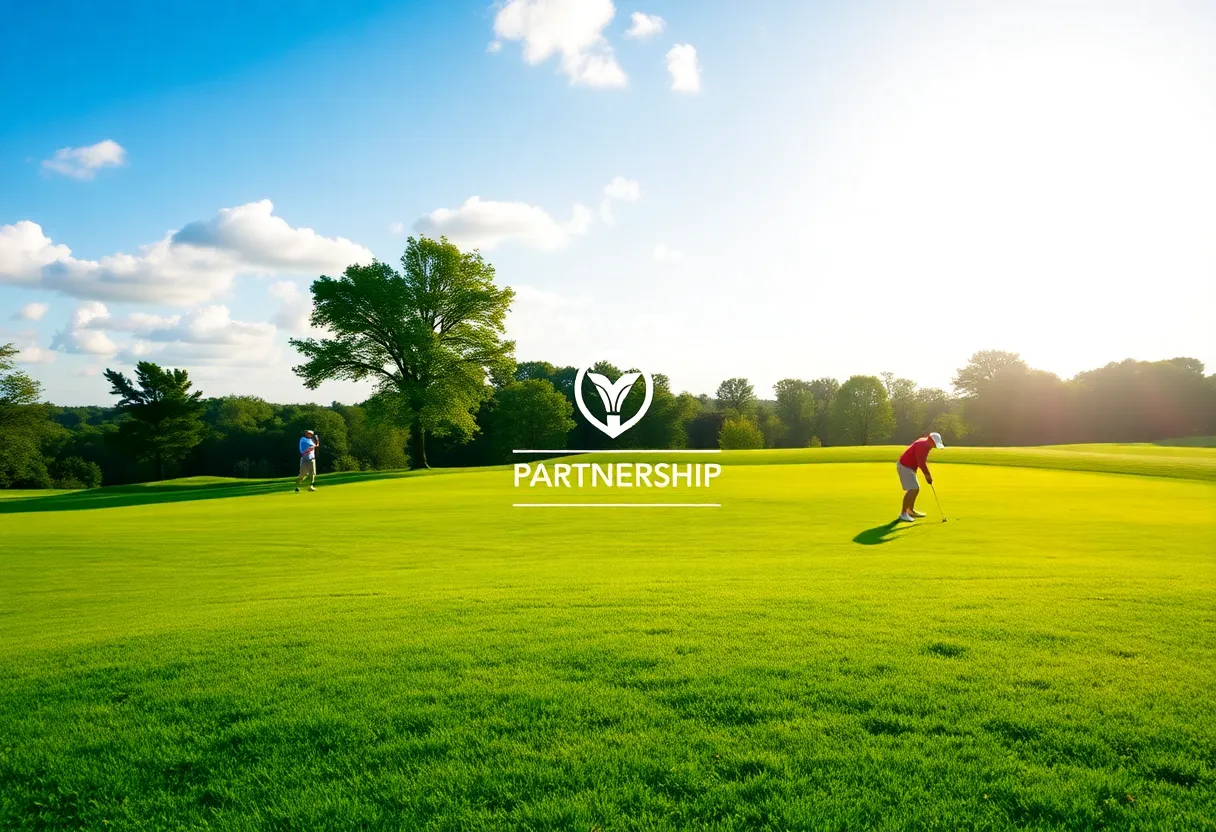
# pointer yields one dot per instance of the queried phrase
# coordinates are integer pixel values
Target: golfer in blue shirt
(309, 443)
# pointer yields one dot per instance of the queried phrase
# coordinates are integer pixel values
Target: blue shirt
(305, 445)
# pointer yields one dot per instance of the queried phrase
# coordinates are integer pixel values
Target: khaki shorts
(308, 467)
(907, 477)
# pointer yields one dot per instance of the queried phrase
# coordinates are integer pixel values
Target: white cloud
(626, 190)
(684, 67)
(645, 26)
(191, 266)
(88, 312)
(486, 224)
(84, 162)
(212, 325)
(664, 254)
(94, 315)
(570, 29)
(294, 307)
(35, 355)
(32, 312)
(208, 334)
(494, 47)
(396, 228)
(258, 354)
(619, 189)
(85, 342)
(257, 238)
(24, 251)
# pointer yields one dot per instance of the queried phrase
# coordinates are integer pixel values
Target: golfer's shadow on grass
(880, 534)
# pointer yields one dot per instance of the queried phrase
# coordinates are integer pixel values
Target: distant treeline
(159, 427)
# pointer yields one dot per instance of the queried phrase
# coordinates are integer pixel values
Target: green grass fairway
(408, 652)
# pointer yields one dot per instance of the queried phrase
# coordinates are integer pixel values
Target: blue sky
(825, 189)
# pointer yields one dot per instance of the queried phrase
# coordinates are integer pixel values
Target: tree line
(449, 391)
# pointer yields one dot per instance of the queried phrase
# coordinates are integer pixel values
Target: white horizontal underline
(620, 451)
(616, 505)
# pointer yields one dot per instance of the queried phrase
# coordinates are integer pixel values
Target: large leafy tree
(986, 368)
(24, 425)
(737, 396)
(163, 421)
(532, 414)
(906, 405)
(431, 336)
(824, 390)
(796, 409)
(862, 413)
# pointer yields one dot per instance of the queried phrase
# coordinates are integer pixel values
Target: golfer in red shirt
(916, 456)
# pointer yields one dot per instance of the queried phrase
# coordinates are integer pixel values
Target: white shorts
(907, 477)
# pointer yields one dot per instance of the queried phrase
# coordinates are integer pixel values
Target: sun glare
(1059, 186)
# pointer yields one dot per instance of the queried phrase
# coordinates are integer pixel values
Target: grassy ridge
(411, 653)
(1144, 460)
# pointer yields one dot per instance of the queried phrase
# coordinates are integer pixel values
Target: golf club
(939, 502)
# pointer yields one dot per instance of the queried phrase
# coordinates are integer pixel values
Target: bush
(346, 462)
(74, 472)
(815, 442)
(740, 434)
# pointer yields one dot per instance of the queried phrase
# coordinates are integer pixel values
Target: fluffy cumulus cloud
(31, 312)
(666, 254)
(293, 307)
(83, 334)
(24, 251)
(84, 162)
(259, 240)
(571, 30)
(486, 224)
(619, 189)
(211, 325)
(642, 26)
(191, 266)
(207, 333)
(685, 68)
(34, 354)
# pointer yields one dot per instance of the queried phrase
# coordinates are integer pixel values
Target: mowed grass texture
(412, 653)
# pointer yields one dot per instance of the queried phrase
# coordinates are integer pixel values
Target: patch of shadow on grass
(177, 492)
(879, 534)
(744, 769)
(946, 650)
(1011, 732)
(1174, 775)
(727, 709)
(39, 800)
(881, 726)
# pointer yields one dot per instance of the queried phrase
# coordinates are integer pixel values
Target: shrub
(74, 472)
(740, 434)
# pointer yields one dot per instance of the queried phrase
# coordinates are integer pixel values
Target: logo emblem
(613, 395)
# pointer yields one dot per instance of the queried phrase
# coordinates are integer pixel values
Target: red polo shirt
(917, 455)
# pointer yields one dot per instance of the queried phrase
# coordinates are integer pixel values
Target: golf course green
(408, 651)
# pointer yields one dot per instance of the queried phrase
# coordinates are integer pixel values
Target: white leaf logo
(613, 394)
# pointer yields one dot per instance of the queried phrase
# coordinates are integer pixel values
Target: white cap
(937, 439)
